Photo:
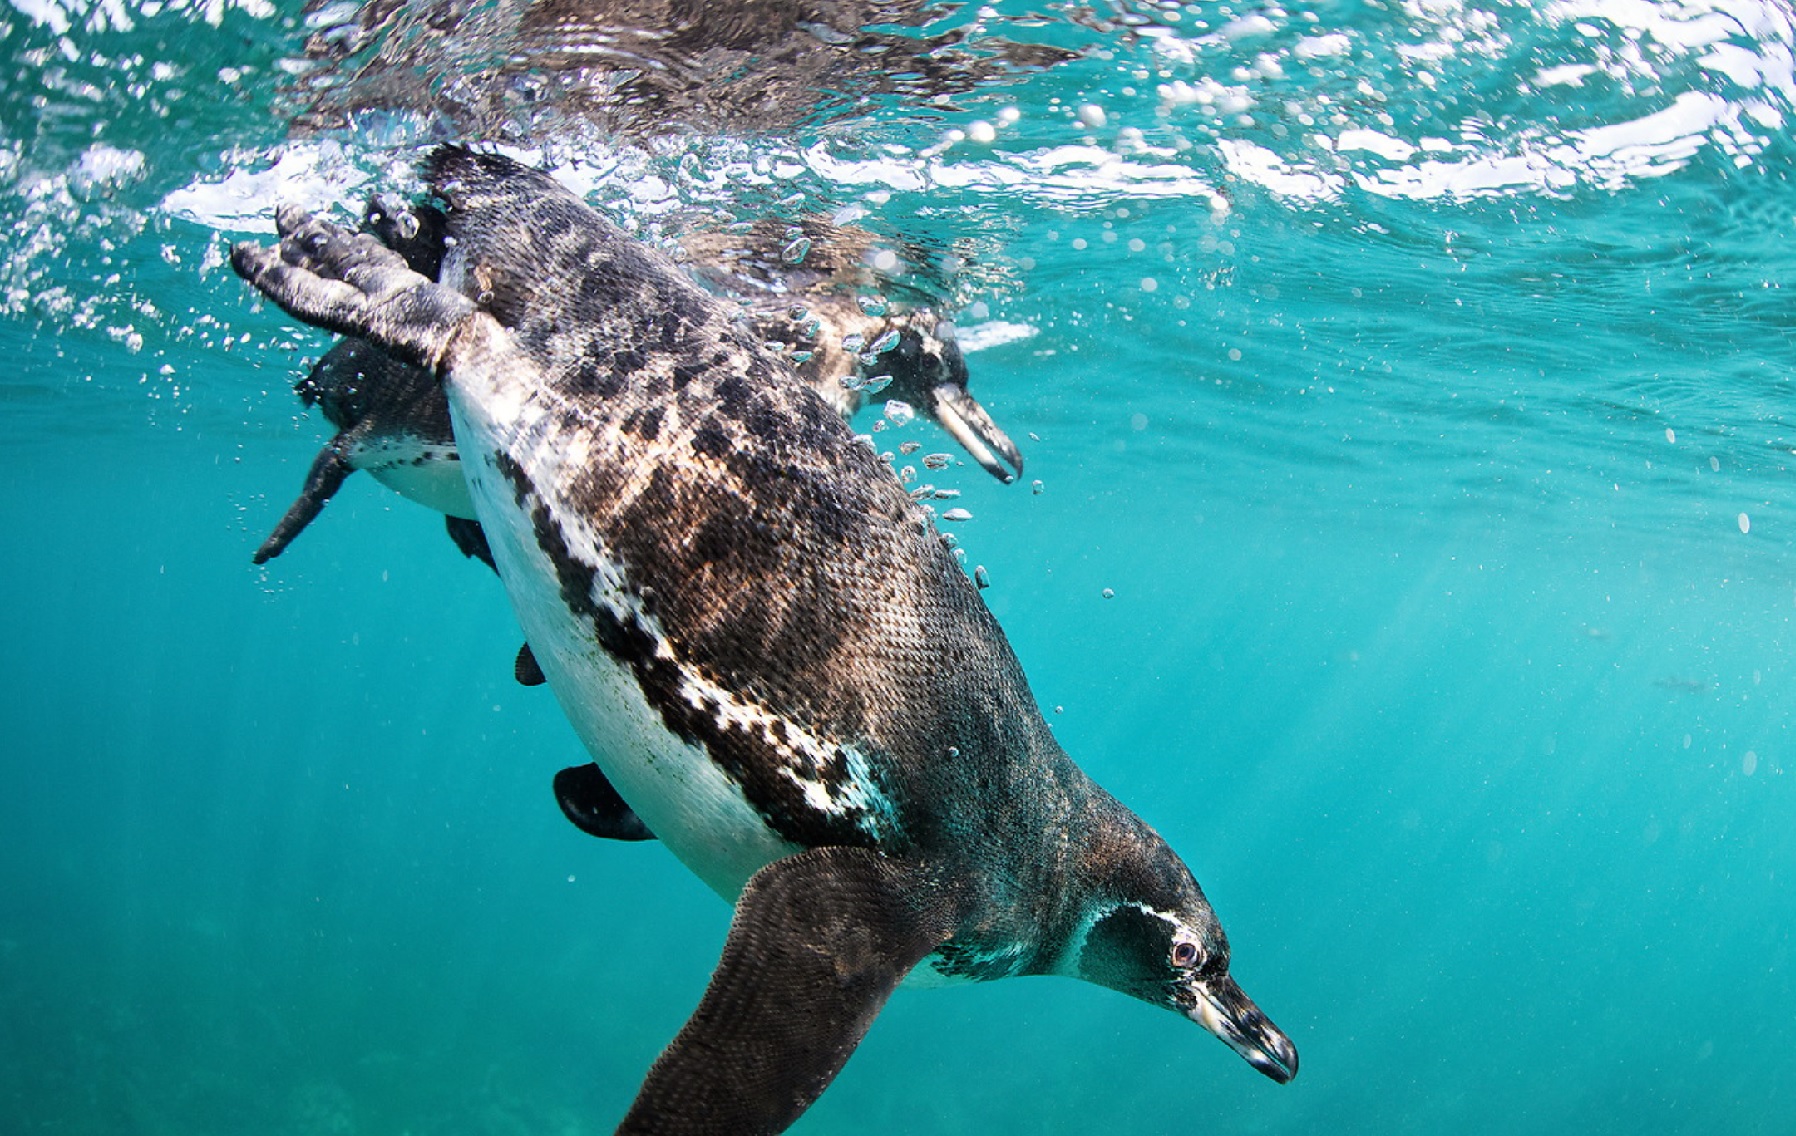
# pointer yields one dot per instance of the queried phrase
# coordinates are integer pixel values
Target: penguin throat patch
(809, 790)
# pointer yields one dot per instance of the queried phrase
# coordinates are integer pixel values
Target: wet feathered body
(764, 643)
(790, 614)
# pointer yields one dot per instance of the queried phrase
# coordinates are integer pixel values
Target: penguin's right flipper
(471, 539)
(322, 482)
(588, 799)
(819, 941)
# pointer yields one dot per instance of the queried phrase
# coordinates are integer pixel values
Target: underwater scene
(1389, 491)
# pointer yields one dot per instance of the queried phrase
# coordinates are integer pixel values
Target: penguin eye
(1184, 954)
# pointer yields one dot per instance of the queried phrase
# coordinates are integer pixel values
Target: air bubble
(796, 251)
(981, 578)
(935, 461)
(957, 515)
(884, 343)
(899, 412)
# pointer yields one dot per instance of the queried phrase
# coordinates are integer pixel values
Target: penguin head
(1154, 937)
(356, 381)
(930, 372)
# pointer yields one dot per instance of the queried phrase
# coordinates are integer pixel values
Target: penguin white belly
(672, 785)
(427, 472)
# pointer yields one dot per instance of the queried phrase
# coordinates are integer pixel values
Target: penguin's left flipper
(326, 476)
(819, 941)
(588, 799)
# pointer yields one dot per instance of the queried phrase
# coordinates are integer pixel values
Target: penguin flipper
(322, 482)
(819, 941)
(471, 539)
(588, 799)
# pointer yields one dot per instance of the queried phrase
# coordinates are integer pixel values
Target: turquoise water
(1413, 376)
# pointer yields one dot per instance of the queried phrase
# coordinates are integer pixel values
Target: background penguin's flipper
(471, 539)
(588, 799)
(322, 482)
(819, 941)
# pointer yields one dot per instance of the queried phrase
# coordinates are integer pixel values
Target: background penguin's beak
(961, 415)
(1226, 1012)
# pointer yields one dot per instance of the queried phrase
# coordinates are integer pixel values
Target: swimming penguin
(393, 421)
(391, 417)
(765, 643)
(812, 287)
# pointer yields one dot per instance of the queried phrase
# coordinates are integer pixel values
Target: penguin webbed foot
(819, 941)
(352, 284)
(592, 804)
(525, 669)
(470, 538)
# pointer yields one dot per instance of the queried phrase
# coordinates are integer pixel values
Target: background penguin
(763, 640)
(393, 421)
(804, 284)
(391, 417)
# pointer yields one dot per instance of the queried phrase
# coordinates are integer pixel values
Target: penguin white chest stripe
(769, 781)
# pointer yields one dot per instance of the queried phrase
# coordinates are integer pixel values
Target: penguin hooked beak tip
(967, 422)
(1222, 1008)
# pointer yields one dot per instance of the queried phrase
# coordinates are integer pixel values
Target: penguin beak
(1225, 1011)
(961, 415)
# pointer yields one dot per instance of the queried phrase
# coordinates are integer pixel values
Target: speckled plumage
(765, 644)
(393, 418)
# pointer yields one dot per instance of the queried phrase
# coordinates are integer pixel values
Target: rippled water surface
(1408, 388)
